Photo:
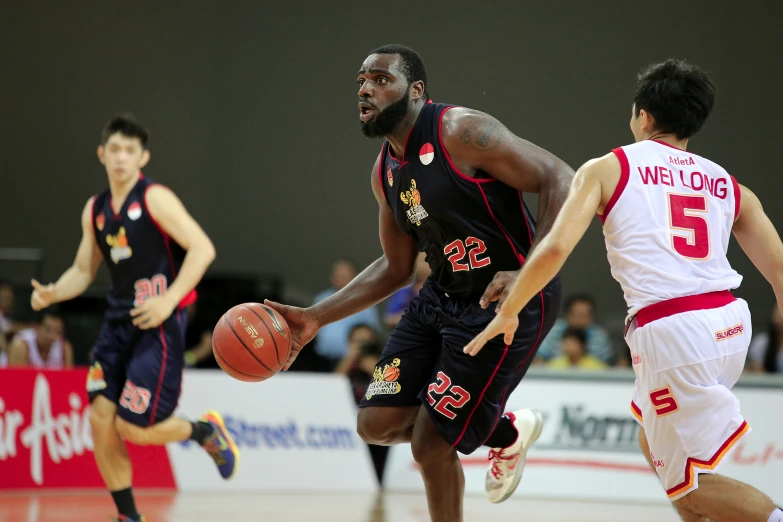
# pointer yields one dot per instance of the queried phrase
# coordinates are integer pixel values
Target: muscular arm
(174, 219)
(581, 205)
(17, 353)
(477, 141)
(81, 274)
(383, 277)
(757, 236)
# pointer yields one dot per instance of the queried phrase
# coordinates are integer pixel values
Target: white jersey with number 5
(668, 224)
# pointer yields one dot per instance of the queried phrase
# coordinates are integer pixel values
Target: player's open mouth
(366, 112)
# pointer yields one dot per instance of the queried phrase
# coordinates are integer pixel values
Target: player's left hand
(498, 289)
(153, 312)
(501, 324)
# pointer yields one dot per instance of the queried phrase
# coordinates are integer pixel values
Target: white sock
(776, 516)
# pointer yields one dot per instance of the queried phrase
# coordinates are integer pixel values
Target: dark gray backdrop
(253, 119)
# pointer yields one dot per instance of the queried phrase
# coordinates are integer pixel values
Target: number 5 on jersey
(688, 213)
(456, 251)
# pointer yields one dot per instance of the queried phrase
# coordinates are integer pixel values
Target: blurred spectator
(765, 354)
(358, 364)
(579, 315)
(43, 346)
(574, 344)
(6, 308)
(399, 302)
(331, 342)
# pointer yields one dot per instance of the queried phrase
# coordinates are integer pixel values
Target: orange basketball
(392, 373)
(251, 342)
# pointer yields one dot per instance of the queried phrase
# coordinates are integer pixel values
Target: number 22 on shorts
(663, 401)
(458, 400)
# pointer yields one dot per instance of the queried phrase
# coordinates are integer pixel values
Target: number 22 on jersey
(457, 249)
(690, 236)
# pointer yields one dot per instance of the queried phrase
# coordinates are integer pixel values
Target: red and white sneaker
(505, 470)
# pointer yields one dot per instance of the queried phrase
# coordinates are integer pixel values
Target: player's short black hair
(579, 298)
(126, 125)
(679, 95)
(413, 65)
(576, 333)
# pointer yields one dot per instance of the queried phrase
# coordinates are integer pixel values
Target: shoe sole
(523, 455)
(219, 419)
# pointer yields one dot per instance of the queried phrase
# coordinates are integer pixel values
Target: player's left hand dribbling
(501, 324)
(152, 313)
(498, 289)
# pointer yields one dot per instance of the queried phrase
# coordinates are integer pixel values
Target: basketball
(391, 373)
(251, 342)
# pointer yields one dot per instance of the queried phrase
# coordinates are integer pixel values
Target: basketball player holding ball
(156, 254)
(449, 182)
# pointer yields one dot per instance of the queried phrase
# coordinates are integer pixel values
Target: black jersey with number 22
(469, 228)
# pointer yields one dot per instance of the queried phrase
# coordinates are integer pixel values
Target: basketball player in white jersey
(668, 215)
(40, 347)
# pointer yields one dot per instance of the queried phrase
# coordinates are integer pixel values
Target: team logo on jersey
(100, 222)
(385, 380)
(119, 246)
(389, 176)
(427, 153)
(412, 198)
(134, 211)
(95, 379)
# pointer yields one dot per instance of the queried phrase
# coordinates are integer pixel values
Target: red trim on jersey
(524, 214)
(404, 149)
(191, 296)
(625, 174)
(162, 374)
(380, 169)
(448, 158)
(737, 197)
(117, 215)
(481, 397)
(679, 305)
(500, 227)
(671, 146)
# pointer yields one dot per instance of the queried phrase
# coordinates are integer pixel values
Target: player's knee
(429, 448)
(101, 419)
(130, 432)
(374, 429)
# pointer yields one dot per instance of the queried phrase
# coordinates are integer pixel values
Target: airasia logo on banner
(46, 438)
(66, 435)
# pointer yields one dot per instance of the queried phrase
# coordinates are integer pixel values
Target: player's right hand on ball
(302, 325)
(42, 296)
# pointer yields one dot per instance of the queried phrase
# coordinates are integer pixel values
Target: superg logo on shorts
(728, 333)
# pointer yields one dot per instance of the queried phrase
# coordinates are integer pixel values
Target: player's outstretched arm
(477, 141)
(170, 214)
(79, 276)
(757, 236)
(383, 277)
(378, 281)
(581, 206)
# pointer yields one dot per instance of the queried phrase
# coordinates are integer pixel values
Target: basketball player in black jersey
(449, 182)
(156, 254)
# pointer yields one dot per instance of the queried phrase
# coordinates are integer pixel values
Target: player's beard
(387, 120)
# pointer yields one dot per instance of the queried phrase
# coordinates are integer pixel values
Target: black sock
(201, 431)
(125, 504)
(504, 435)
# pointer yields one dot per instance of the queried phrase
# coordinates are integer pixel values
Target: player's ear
(145, 157)
(100, 155)
(647, 121)
(417, 89)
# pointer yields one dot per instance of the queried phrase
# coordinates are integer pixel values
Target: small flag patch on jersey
(389, 176)
(134, 211)
(427, 153)
(100, 221)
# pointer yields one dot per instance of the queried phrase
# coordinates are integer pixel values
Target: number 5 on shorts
(663, 402)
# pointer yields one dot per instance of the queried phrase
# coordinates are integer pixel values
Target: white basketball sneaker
(506, 464)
